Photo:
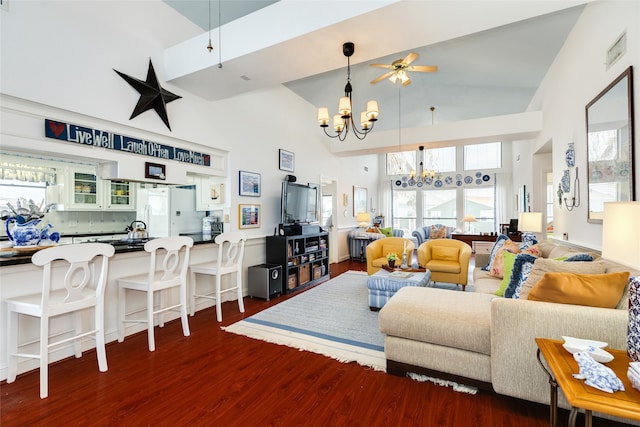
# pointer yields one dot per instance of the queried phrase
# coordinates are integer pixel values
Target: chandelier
(343, 121)
(423, 175)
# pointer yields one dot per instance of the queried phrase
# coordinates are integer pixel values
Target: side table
(624, 404)
(364, 241)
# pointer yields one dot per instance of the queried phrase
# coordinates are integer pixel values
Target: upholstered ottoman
(383, 285)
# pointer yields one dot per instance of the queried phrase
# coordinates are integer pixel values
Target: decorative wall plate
(570, 155)
(565, 182)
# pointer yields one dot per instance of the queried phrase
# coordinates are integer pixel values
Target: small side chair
(228, 261)
(82, 288)
(168, 266)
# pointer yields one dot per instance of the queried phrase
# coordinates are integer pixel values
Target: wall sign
(112, 141)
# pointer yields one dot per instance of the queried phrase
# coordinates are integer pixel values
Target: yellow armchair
(447, 259)
(378, 249)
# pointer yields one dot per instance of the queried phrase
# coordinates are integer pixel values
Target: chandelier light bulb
(338, 123)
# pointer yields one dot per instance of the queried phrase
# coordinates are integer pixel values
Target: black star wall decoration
(152, 96)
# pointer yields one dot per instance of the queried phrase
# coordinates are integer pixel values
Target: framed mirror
(610, 169)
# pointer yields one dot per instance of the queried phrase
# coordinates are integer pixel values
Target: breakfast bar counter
(18, 276)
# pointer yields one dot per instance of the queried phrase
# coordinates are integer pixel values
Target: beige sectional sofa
(480, 339)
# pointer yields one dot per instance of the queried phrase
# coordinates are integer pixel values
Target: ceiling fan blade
(382, 77)
(423, 68)
(410, 58)
(382, 65)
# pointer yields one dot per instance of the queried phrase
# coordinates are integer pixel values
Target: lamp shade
(469, 218)
(344, 106)
(323, 115)
(363, 218)
(530, 221)
(364, 120)
(621, 233)
(372, 110)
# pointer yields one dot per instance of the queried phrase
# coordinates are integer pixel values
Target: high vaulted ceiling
(491, 55)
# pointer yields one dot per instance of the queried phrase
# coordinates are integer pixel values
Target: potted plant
(391, 259)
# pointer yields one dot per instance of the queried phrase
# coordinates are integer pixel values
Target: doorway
(329, 209)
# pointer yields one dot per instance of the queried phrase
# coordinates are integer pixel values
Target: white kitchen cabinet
(85, 191)
(120, 195)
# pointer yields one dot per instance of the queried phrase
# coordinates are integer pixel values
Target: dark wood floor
(214, 377)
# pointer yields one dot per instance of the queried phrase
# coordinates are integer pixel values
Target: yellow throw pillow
(544, 265)
(444, 253)
(595, 290)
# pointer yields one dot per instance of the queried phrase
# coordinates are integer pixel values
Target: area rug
(332, 319)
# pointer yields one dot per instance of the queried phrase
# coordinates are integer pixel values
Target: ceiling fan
(400, 67)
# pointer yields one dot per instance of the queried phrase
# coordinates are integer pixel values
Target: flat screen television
(299, 204)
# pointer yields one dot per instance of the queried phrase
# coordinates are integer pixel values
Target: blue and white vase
(633, 332)
(570, 155)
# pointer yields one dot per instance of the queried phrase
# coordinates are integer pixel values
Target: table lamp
(363, 218)
(621, 243)
(530, 222)
(468, 219)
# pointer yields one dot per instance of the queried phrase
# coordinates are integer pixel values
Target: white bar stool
(172, 273)
(229, 261)
(84, 285)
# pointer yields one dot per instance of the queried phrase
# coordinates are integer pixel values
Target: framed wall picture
(287, 161)
(249, 216)
(359, 200)
(155, 171)
(249, 184)
(216, 193)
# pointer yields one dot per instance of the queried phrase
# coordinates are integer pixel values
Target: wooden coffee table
(624, 404)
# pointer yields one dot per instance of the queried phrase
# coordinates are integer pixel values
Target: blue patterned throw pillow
(522, 266)
(633, 331)
(494, 250)
(528, 240)
(579, 257)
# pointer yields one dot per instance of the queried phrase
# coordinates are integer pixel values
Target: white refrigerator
(168, 211)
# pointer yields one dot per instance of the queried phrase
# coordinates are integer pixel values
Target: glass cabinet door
(85, 190)
(120, 195)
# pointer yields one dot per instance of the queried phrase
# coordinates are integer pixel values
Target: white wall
(61, 54)
(577, 75)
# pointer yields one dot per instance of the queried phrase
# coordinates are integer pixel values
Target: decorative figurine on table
(404, 265)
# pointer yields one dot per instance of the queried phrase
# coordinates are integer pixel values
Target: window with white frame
(401, 163)
(480, 203)
(440, 159)
(483, 156)
(404, 211)
(439, 207)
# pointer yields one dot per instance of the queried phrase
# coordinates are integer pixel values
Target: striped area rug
(332, 319)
